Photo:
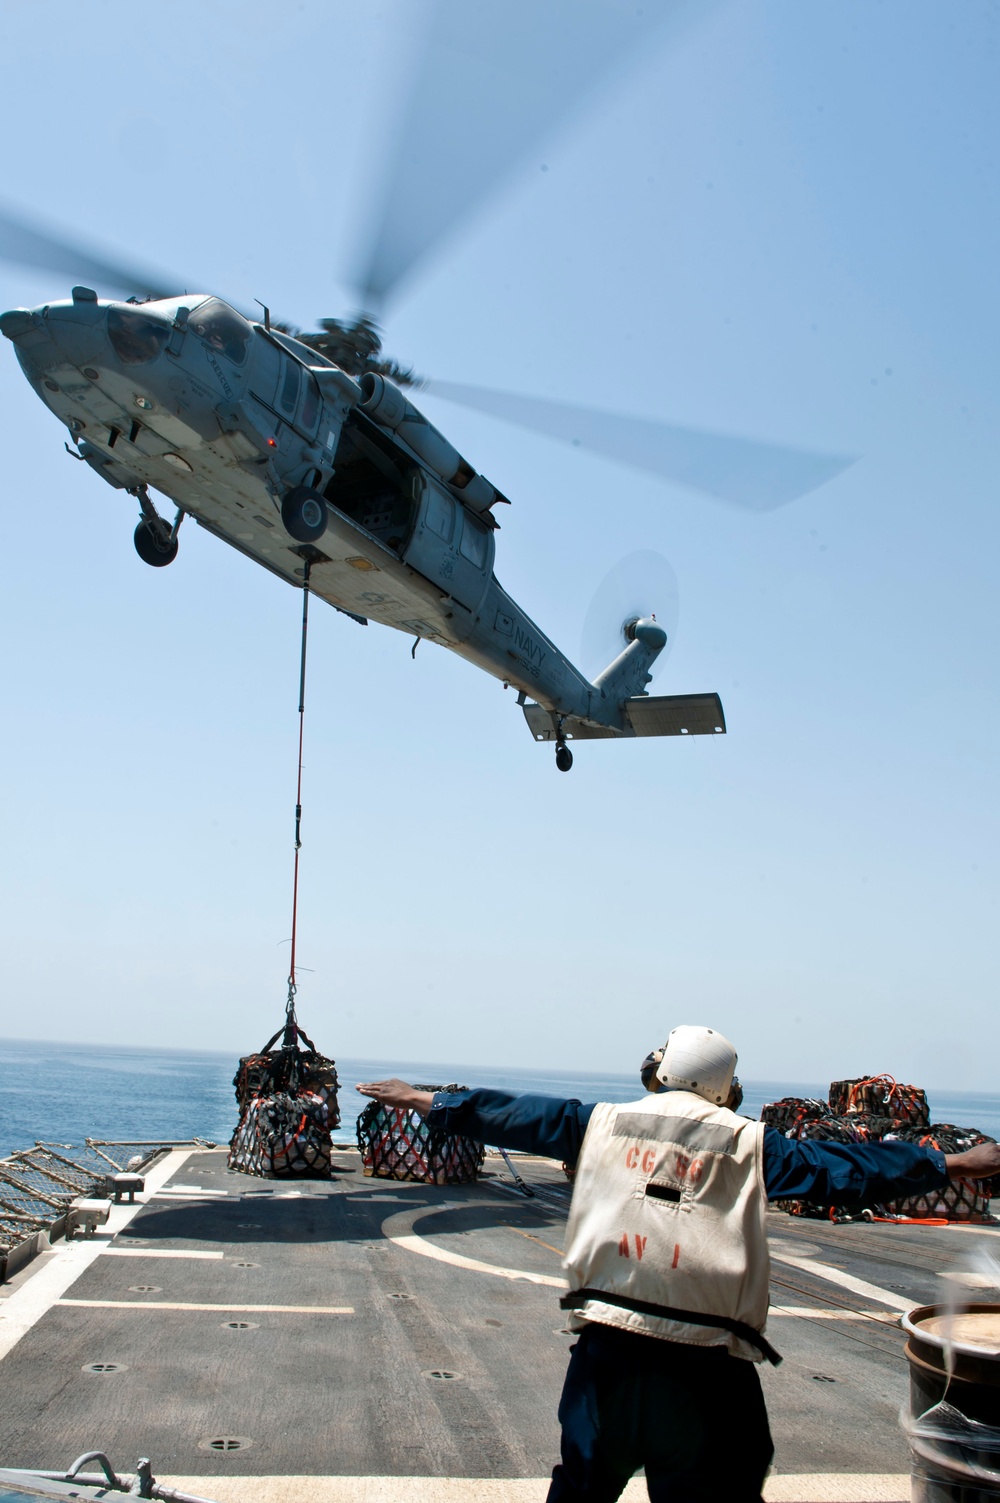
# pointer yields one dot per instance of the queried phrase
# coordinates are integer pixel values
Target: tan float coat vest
(669, 1209)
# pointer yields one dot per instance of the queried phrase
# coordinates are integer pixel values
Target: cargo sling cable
(287, 1096)
(291, 1024)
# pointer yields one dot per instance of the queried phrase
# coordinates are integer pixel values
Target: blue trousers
(693, 1418)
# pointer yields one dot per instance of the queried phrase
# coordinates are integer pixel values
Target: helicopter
(326, 480)
(305, 452)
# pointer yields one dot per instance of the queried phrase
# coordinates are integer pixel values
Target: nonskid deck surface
(370, 1340)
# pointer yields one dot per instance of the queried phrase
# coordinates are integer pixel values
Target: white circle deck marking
(399, 1229)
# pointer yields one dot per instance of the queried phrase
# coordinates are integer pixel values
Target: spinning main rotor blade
(741, 471)
(493, 81)
(27, 246)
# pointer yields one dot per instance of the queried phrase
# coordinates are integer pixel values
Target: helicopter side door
(290, 392)
(285, 386)
(448, 545)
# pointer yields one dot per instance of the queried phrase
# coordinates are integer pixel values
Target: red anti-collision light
(272, 443)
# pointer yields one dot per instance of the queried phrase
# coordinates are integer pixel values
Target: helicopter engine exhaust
(385, 404)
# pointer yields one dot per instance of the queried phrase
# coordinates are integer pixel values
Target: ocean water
(62, 1093)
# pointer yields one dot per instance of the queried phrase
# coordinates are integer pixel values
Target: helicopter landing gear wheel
(155, 540)
(156, 546)
(304, 513)
(564, 757)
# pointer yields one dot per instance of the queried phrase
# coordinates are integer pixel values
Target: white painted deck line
(846, 1281)
(399, 1229)
(806, 1312)
(63, 1266)
(191, 1195)
(162, 1304)
(812, 1487)
(836, 1487)
(191, 1190)
(158, 1252)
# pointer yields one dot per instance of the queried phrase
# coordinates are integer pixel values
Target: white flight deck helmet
(698, 1060)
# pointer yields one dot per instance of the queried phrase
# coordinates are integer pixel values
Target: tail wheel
(304, 513)
(154, 544)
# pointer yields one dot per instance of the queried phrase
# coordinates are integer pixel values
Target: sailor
(667, 1261)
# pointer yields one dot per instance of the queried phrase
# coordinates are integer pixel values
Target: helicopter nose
(29, 332)
(77, 328)
(15, 322)
(58, 334)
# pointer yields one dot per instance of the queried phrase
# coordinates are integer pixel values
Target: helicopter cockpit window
(135, 338)
(222, 329)
(474, 541)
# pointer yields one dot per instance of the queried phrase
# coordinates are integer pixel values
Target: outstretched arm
(395, 1092)
(545, 1125)
(857, 1174)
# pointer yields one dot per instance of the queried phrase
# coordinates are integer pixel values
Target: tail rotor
(641, 586)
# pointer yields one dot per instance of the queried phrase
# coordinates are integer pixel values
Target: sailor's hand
(980, 1162)
(397, 1093)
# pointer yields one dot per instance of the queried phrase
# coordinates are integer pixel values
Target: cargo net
(288, 1106)
(871, 1109)
(959, 1199)
(879, 1095)
(790, 1114)
(396, 1144)
(819, 1129)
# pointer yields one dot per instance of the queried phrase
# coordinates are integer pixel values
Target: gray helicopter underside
(214, 482)
(358, 574)
(395, 546)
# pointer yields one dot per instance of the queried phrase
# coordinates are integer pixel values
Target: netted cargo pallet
(827, 1129)
(859, 1128)
(959, 1199)
(288, 1100)
(867, 1127)
(804, 1118)
(791, 1112)
(397, 1144)
(880, 1095)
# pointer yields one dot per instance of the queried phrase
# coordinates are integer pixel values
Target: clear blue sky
(780, 221)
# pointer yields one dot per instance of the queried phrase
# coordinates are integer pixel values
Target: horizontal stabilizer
(676, 715)
(664, 715)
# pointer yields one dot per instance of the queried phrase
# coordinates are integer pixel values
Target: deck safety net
(39, 1184)
(288, 1107)
(396, 1144)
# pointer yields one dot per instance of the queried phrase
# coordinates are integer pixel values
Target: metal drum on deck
(954, 1360)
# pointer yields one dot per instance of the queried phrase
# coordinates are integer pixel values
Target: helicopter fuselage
(227, 417)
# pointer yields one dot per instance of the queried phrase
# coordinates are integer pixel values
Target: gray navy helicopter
(305, 453)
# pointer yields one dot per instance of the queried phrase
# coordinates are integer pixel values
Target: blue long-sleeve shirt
(847, 1174)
